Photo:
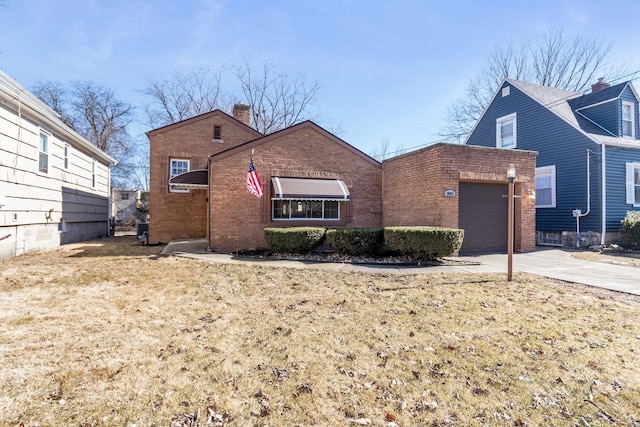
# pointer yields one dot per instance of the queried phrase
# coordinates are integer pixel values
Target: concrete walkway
(552, 263)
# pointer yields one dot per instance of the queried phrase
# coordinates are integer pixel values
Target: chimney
(241, 113)
(601, 84)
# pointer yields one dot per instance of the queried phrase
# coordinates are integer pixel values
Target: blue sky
(388, 69)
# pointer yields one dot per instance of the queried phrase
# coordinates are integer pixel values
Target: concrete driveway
(559, 264)
(552, 263)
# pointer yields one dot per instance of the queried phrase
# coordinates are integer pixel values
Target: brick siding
(239, 218)
(414, 186)
(184, 215)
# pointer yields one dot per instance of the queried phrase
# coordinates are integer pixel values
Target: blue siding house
(588, 164)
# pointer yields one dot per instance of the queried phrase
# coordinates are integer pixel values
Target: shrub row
(414, 242)
(630, 231)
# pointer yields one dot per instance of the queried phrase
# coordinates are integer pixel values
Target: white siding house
(54, 184)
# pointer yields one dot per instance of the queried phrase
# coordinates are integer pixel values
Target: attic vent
(506, 91)
(217, 133)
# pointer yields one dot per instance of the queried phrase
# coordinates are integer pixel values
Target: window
(67, 147)
(217, 132)
(546, 187)
(93, 173)
(306, 209)
(628, 119)
(633, 184)
(176, 167)
(506, 131)
(43, 159)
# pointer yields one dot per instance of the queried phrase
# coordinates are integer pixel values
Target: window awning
(197, 178)
(309, 189)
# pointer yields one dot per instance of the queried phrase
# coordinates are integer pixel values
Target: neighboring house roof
(25, 101)
(290, 129)
(189, 121)
(562, 103)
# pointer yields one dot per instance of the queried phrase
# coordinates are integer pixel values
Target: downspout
(209, 204)
(603, 203)
(577, 213)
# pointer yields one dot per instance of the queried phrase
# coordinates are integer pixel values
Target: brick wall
(414, 185)
(184, 215)
(303, 151)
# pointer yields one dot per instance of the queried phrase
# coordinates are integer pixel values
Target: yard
(106, 333)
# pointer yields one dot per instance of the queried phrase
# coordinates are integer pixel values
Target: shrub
(294, 240)
(630, 231)
(355, 241)
(423, 242)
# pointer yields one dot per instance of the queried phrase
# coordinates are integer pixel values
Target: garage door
(483, 216)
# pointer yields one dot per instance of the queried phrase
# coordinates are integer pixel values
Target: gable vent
(506, 91)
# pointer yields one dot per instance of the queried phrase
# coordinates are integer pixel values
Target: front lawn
(106, 333)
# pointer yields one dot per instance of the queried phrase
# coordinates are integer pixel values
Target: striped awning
(309, 189)
(197, 178)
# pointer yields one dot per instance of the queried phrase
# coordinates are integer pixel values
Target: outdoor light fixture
(511, 176)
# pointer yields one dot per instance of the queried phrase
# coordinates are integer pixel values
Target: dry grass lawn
(107, 334)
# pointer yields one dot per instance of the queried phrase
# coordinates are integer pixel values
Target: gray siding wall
(616, 184)
(557, 143)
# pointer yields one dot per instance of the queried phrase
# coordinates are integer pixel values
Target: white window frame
(632, 110)
(45, 152)
(632, 185)
(273, 210)
(499, 139)
(551, 170)
(171, 174)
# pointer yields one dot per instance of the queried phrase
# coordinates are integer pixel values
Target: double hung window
(546, 187)
(506, 131)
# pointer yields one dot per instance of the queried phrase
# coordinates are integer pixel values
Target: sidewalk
(552, 263)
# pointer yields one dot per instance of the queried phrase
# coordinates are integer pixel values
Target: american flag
(253, 180)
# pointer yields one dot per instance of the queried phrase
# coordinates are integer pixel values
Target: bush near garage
(295, 240)
(423, 242)
(355, 241)
(630, 232)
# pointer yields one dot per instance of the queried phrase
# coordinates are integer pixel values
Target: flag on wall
(253, 180)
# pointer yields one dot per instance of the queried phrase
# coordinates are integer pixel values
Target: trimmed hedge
(423, 242)
(630, 231)
(355, 241)
(297, 240)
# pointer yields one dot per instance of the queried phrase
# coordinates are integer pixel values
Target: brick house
(311, 177)
(303, 158)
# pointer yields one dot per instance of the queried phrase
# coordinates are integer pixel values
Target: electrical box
(577, 213)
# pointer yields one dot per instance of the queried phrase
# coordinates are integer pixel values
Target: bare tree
(55, 95)
(95, 113)
(184, 95)
(555, 60)
(276, 100)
